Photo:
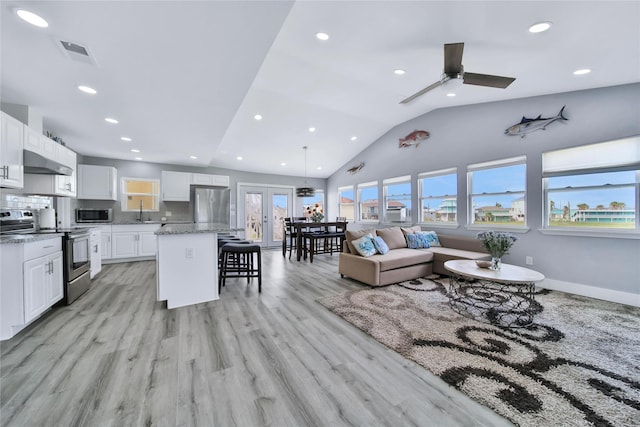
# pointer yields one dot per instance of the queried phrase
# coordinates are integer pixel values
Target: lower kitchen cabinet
(95, 246)
(42, 284)
(133, 241)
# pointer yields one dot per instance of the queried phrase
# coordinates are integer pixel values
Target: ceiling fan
(453, 69)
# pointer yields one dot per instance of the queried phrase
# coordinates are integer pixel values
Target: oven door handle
(79, 236)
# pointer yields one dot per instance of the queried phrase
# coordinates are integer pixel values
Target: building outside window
(397, 199)
(368, 206)
(140, 195)
(346, 206)
(497, 192)
(593, 186)
(438, 196)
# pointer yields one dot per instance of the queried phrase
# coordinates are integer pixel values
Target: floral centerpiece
(497, 243)
(315, 212)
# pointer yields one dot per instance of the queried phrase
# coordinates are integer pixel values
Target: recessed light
(125, 138)
(32, 18)
(322, 36)
(451, 94)
(283, 164)
(257, 117)
(312, 129)
(582, 71)
(111, 120)
(87, 89)
(135, 150)
(319, 168)
(193, 157)
(540, 27)
(239, 158)
(399, 71)
(138, 158)
(353, 138)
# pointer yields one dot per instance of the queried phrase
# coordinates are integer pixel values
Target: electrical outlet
(167, 213)
(188, 253)
(529, 260)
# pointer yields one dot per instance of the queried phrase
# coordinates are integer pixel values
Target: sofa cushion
(364, 245)
(432, 238)
(381, 245)
(417, 241)
(399, 258)
(393, 237)
(411, 230)
(351, 235)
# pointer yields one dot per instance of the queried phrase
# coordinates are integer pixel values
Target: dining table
(302, 227)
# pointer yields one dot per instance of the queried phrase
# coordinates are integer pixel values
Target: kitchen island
(187, 262)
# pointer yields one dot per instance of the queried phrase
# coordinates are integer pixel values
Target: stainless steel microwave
(94, 215)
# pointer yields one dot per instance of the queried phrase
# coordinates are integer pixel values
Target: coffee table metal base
(500, 304)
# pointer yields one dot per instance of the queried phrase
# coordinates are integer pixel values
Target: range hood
(35, 163)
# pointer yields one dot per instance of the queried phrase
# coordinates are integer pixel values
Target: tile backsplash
(19, 201)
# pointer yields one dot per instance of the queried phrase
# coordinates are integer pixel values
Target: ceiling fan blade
(422, 92)
(453, 58)
(487, 80)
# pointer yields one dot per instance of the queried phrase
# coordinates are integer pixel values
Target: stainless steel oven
(77, 258)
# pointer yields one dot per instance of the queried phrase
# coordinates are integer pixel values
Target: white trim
(448, 171)
(591, 292)
(496, 226)
(586, 232)
(497, 163)
(397, 180)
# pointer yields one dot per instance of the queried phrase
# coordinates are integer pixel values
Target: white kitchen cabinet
(31, 277)
(207, 179)
(97, 182)
(133, 241)
(175, 186)
(95, 247)
(42, 284)
(105, 241)
(11, 147)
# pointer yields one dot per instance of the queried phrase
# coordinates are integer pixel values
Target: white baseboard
(591, 291)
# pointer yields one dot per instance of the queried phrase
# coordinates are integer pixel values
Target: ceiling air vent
(76, 52)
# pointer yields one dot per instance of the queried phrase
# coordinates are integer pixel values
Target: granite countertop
(192, 228)
(26, 238)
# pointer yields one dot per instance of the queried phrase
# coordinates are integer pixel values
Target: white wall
(609, 267)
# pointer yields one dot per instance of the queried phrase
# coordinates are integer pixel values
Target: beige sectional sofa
(402, 263)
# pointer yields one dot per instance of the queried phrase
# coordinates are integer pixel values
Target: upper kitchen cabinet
(11, 147)
(97, 182)
(175, 186)
(206, 179)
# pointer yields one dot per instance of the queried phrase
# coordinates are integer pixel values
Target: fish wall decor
(414, 138)
(356, 168)
(528, 125)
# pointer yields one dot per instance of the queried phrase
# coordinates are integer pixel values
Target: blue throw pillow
(380, 245)
(417, 241)
(431, 237)
(364, 245)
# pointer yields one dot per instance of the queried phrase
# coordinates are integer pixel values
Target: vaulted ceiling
(187, 78)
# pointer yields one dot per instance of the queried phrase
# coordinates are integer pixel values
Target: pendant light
(305, 191)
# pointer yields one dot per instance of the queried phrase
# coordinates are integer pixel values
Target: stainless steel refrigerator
(212, 205)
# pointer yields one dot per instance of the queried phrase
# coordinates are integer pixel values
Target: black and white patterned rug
(578, 364)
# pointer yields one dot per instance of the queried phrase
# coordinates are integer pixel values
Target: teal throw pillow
(380, 245)
(417, 241)
(432, 238)
(364, 245)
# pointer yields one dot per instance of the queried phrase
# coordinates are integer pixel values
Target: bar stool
(238, 261)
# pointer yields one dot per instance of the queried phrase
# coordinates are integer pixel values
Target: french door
(261, 212)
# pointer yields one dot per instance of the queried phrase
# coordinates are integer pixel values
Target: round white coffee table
(504, 297)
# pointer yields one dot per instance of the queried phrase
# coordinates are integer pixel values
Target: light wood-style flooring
(117, 357)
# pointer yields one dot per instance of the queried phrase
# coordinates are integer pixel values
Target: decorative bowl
(483, 264)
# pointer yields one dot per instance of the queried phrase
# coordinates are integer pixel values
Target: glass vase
(496, 263)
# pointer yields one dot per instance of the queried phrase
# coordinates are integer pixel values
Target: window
(397, 199)
(310, 202)
(497, 193)
(368, 209)
(593, 187)
(140, 195)
(438, 193)
(346, 203)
